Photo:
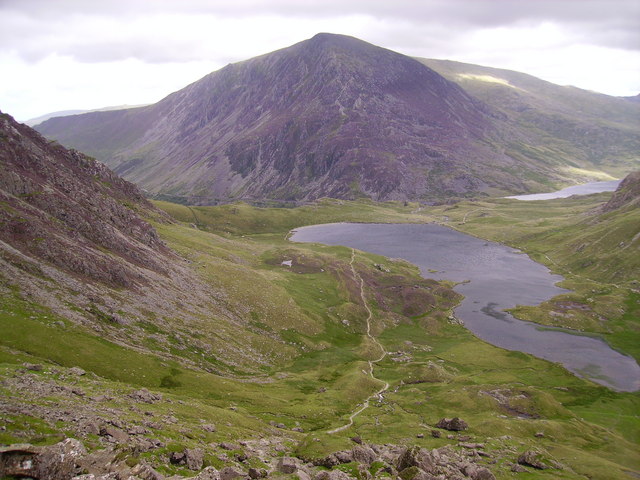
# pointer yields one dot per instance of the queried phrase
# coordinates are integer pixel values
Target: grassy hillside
(585, 135)
(309, 322)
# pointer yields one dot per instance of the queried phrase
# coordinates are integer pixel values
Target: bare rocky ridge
(331, 116)
(72, 211)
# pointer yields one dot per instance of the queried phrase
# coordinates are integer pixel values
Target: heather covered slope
(331, 116)
(578, 132)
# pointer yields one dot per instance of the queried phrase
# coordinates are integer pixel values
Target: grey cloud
(476, 12)
(33, 28)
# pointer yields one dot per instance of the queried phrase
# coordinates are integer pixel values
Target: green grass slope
(309, 322)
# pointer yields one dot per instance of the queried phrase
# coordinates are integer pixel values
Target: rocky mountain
(330, 116)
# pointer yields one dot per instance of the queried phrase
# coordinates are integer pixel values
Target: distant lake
(584, 189)
(499, 278)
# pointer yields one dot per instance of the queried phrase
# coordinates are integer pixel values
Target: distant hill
(32, 122)
(571, 128)
(336, 116)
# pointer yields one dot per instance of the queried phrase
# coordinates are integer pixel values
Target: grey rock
(114, 434)
(77, 371)
(194, 458)
(416, 457)
(43, 463)
(177, 458)
(363, 454)
(332, 475)
(137, 430)
(287, 465)
(144, 395)
(531, 458)
(476, 472)
(34, 367)
(344, 456)
(230, 473)
(209, 473)
(452, 424)
(229, 446)
(255, 473)
(146, 472)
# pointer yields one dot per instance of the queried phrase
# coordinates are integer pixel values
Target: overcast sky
(82, 54)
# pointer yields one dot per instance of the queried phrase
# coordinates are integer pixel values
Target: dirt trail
(383, 353)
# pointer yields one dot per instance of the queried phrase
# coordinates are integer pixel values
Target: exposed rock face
(330, 116)
(626, 195)
(71, 211)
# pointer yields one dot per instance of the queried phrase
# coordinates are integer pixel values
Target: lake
(584, 189)
(497, 277)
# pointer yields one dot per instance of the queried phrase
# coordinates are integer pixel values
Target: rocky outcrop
(627, 195)
(73, 212)
(452, 424)
(537, 459)
(77, 239)
(66, 459)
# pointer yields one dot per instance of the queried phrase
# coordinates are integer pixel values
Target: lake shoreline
(476, 321)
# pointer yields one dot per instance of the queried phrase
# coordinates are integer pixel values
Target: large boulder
(363, 454)
(287, 465)
(539, 460)
(55, 462)
(452, 424)
(230, 473)
(476, 472)
(416, 457)
(194, 458)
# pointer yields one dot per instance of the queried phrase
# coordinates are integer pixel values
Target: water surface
(499, 277)
(584, 189)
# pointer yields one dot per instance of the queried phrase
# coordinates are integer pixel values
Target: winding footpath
(383, 354)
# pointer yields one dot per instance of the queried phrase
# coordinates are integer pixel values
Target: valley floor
(295, 358)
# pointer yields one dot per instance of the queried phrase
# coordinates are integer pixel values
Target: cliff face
(330, 116)
(627, 195)
(64, 208)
